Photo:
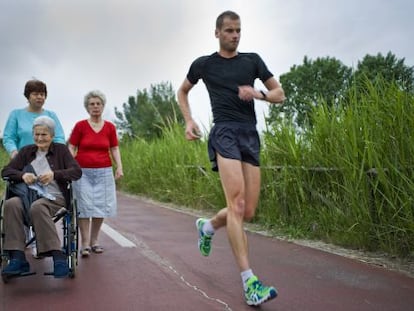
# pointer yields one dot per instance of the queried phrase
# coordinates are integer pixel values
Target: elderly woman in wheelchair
(38, 182)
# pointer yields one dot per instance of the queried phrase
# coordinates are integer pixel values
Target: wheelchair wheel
(4, 260)
(3, 257)
(70, 240)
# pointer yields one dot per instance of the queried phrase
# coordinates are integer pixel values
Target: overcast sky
(121, 46)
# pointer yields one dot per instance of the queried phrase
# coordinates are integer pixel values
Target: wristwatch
(264, 94)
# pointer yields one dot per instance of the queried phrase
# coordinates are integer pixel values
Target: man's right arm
(192, 130)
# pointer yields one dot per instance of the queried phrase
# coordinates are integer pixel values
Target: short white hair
(47, 122)
(92, 94)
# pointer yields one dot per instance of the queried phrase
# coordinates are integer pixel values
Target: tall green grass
(348, 181)
(4, 158)
(171, 169)
(350, 177)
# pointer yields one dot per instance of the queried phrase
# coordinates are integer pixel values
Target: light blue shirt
(18, 131)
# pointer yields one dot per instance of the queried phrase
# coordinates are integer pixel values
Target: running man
(233, 144)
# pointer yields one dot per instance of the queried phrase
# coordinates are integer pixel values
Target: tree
(387, 68)
(306, 84)
(146, 114)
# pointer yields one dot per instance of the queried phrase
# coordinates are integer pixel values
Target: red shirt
(93, 147)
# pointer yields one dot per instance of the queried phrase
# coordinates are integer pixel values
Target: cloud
(121, 46)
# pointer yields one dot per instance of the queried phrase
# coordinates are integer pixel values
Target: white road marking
(154, 257)
(117, 237)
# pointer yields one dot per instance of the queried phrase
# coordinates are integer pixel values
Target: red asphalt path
(166, 272)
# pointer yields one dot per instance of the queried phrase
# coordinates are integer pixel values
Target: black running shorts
(233, 140)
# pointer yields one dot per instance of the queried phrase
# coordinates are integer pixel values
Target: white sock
(208, 228)
(245, 275)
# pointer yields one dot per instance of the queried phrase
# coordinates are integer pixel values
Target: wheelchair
(70, 233)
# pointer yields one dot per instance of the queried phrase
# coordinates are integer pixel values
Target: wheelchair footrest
(27, 273)
(7, 277)
(19, 275)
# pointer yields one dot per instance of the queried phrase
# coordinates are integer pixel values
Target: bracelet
(264, 94)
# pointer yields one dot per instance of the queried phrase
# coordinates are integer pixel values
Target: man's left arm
(275, 93)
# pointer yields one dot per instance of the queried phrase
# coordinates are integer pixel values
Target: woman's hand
(119, 173)
(29, 178)
(46, 178)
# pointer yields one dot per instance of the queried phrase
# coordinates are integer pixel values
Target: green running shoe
(204, 239)
(256, 293)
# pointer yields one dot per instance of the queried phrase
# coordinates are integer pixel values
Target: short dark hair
(230, 14)
(34, 86)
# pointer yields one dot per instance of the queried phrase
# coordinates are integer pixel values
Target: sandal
(85, 252)
(97, 249)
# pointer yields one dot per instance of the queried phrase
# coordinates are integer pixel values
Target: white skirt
(95, 193)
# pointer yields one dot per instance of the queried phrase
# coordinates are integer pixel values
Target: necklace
(95, 124)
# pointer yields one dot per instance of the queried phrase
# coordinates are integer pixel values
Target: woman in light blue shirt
(18, 130)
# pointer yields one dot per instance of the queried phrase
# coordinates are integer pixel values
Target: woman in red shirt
(93, 142)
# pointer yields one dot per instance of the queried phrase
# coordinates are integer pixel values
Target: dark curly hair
(34, 86)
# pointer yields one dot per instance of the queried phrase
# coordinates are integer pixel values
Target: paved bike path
(164, 271)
